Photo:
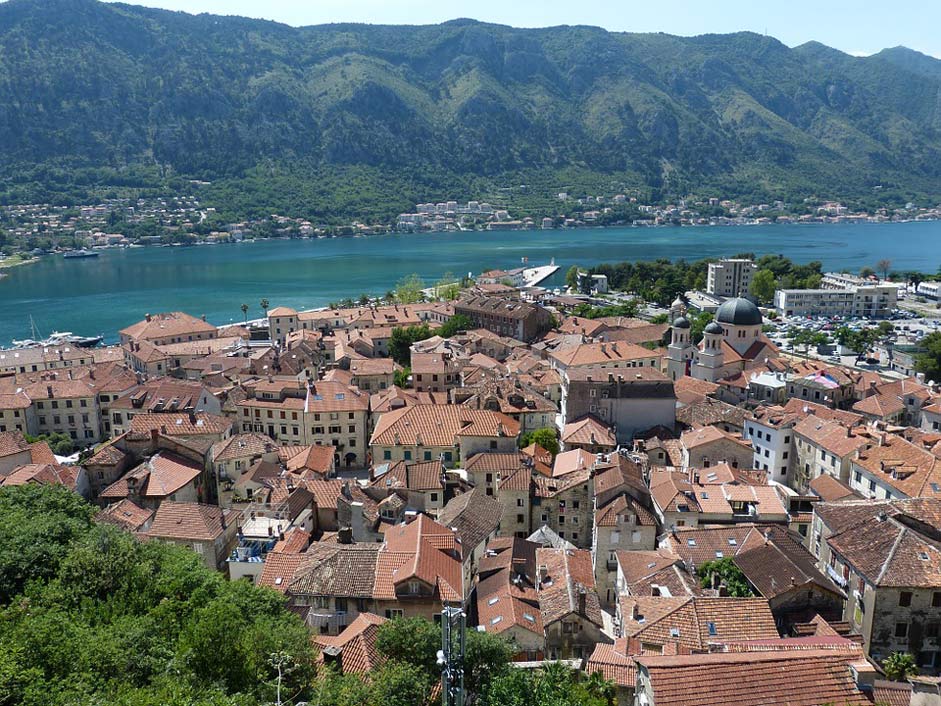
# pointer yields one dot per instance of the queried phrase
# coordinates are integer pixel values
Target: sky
(857, 27)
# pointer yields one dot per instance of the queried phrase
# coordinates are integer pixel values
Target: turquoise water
(101, 295)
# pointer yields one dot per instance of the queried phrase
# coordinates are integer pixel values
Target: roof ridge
(891, 553)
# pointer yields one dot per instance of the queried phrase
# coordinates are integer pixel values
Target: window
(901, 630)
(519, 502)
(386, 455)
(392, 613)
(936, 599)
(407, 455)
(434, 497)
(905, 599)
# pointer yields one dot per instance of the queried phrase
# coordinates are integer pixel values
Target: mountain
(361, 118)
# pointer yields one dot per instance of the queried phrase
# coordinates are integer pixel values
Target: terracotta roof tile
(189, 521)
(126, 514)
(440, 425)
(588, 431)
(795, 678)
(696, 621)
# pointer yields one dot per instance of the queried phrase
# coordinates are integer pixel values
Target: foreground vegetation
(89, 615)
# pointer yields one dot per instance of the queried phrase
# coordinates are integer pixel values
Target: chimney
(147, 317)
(345, 535)
(192, 416)
(635, 613)
(222, 518)
(153, 434)
(582, 600)
(203, 317)
(132, 489)
(49, 391)
(543, 573)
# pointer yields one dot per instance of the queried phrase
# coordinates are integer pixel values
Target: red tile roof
(440, 425)
(355, 646)
(696, 621)
(189, 521)
(798, 678)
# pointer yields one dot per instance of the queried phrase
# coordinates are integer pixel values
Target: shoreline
(535, 229)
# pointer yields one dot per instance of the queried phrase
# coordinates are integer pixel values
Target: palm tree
(899, 666)
(264, 306)
(600, 688)
(245, 312)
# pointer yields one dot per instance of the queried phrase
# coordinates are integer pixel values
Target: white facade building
(872, 301)
(730, 278)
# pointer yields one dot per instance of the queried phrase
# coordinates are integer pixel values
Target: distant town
(633, 489)
(32, 230)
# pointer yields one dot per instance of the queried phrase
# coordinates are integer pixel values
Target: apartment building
(871, 301)
(730, 278)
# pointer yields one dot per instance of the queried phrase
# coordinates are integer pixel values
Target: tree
(571, 277)
(454, 325)
(698, 323)
(866, 272)
(448, 287)
(763, 285)
(401, 340)
(88, 614)
(884, 266)
(899, 666)
(244, 309)
(409, 290)
(718, 572)
(400, 377)
(399, 683)
(929, 361)
(37, 523)
(546, 437)
(264, 306)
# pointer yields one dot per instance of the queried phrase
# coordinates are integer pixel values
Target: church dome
(680, 322)
(713, 327)
(739, 312)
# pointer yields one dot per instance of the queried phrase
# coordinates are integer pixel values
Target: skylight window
(493, 600)
(494, 621)
(674, 632)
(690, 542)
(732, 541)
(712, 628)
(530, 618)
(719, 554)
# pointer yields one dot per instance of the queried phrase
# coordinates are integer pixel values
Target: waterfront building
(866, 301)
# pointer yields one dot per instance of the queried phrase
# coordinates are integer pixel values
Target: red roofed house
(208, 530)
(446, 432)
(571, 612)
(796, 677)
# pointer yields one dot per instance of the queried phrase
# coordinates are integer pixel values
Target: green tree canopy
(718, 572)
(763, 285)
(899, 666)
(929, 361)
(409, 290)
(546, 437)
(91, 615)
(401, 340)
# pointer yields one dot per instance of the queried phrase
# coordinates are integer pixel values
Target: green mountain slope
(353, 118)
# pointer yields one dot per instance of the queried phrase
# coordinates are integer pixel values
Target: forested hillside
(363, 120)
